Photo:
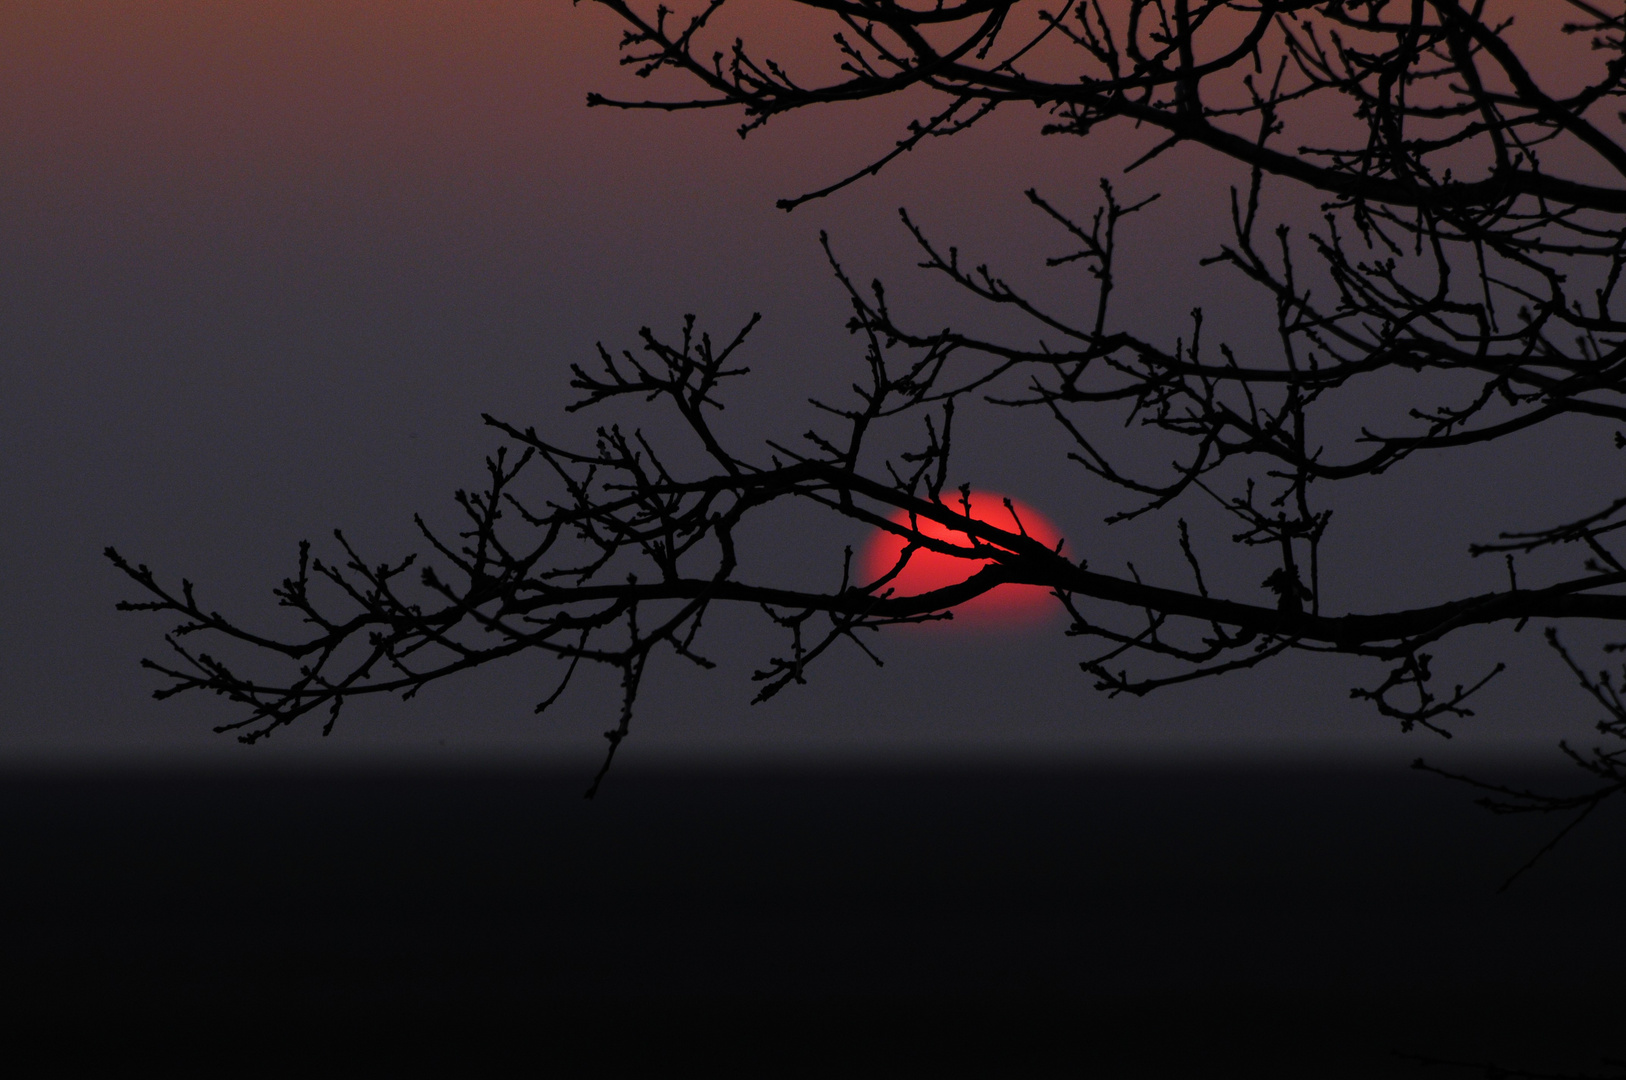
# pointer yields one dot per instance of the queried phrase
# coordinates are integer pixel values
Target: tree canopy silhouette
(1471, 245)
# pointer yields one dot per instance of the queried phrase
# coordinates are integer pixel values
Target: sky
(264, 264)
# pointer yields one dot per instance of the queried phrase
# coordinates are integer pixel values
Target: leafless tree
(1471, 244)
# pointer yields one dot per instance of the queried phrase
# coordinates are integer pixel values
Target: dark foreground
(1292, 922)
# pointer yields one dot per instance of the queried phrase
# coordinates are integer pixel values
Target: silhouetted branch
(1456, 266)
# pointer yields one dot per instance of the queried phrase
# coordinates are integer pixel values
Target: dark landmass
(1066, 921)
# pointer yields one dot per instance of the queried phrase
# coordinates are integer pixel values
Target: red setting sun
(1002, 608)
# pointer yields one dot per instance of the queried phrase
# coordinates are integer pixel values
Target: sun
(1006, 607)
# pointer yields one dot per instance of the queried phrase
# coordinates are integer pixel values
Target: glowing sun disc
(1004, 607)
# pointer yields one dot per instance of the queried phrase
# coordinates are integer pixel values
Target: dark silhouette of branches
(1469, 252)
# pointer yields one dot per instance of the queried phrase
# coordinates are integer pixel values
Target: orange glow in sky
(1006, 607)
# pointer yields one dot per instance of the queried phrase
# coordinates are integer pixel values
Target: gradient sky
(263, 264)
